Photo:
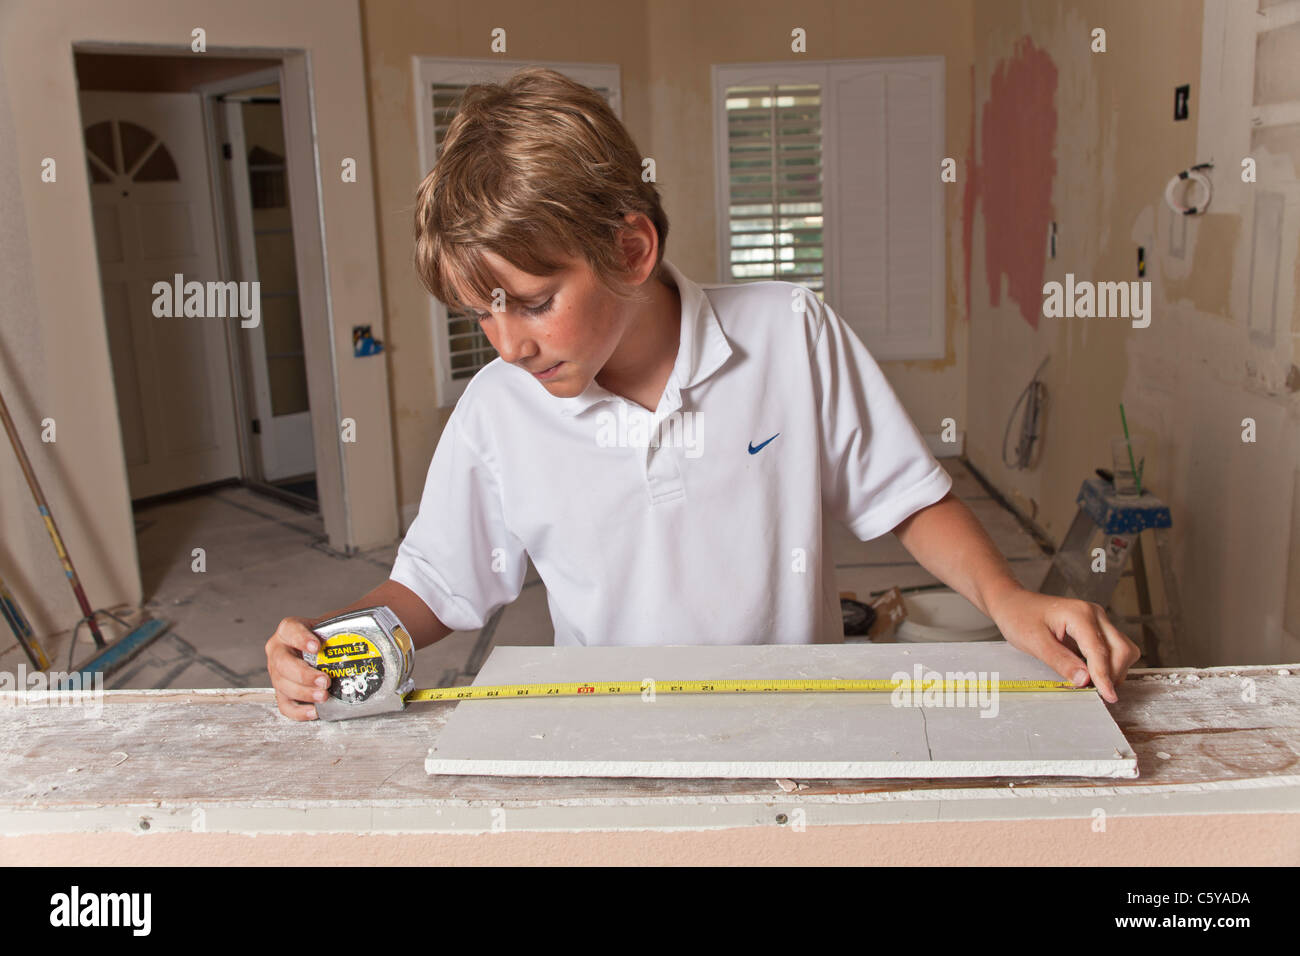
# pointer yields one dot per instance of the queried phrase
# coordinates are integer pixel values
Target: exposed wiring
(1200, 179)
(1034, 398)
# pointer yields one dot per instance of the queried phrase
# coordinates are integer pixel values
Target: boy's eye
(530, 310)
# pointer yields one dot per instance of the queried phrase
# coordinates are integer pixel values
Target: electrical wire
(1034, 398)
(1196, 176)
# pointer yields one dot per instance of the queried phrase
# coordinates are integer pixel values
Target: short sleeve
(458, 555)
(876, 467)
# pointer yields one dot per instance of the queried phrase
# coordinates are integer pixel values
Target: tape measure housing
(368, 657)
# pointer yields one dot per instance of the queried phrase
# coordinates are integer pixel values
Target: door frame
(209, 94)
(293, 69)
(280, 440)
(232, 195)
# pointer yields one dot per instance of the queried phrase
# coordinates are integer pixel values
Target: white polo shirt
(704, 523)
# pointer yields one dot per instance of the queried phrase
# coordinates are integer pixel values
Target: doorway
(249, 125)
(190, 186)
(153, 221)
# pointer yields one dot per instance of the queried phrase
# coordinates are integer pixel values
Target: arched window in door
(124, 152)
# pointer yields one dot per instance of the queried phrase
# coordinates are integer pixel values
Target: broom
(109, 656)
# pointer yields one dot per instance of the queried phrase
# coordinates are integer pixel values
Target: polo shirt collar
(702, 351)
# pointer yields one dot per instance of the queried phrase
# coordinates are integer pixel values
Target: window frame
(932, 343)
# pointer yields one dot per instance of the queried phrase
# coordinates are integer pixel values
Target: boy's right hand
(296, 682)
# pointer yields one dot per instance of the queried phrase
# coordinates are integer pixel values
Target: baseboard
(408, 516)
(1040, 536)
(945, 449)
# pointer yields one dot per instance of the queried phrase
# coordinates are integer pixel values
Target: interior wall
(28, 390)
(1088, 140)
(1222, 839)
(55, 356)
(665, 50)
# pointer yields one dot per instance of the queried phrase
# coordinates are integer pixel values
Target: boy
(669, 455)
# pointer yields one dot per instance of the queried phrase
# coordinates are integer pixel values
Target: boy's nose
(511, 342)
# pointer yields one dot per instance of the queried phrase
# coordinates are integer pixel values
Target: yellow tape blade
(784, 686)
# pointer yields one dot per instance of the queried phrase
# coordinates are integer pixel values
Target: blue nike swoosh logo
(755, 450)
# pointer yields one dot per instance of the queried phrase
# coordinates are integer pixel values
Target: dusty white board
(777, 735)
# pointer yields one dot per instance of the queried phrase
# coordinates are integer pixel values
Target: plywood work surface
(169, 753)
(859, 735)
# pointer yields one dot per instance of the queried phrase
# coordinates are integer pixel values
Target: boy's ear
(639, 242)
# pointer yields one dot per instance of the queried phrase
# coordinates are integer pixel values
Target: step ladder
(1118, 524)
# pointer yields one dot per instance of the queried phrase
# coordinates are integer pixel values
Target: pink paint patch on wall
(1017, 140)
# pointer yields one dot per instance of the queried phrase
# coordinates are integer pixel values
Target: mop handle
(44, 509)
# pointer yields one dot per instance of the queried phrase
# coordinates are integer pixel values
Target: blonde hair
(530, 168)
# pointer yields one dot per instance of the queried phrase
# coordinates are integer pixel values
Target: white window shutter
(880, 210)
(468, 349)
(858, 221)
(774, 201)
(885, 218)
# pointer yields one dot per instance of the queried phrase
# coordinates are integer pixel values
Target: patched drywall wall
(1190, 378)
(1017, 133)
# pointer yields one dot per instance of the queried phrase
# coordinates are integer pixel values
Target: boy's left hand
(1040, 624)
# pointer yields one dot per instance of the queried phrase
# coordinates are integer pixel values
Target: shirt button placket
(663, 471)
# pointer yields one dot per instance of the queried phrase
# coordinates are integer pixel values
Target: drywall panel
(777, 735)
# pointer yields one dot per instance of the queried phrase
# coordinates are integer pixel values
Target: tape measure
(758, 686)
(369, 657)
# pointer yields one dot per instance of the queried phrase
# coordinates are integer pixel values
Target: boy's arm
(950, 543)
(421, 623)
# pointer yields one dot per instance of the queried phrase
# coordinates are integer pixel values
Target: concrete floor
(266, 560)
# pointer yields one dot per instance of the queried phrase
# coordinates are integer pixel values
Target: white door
(263, 232)
(152, 201)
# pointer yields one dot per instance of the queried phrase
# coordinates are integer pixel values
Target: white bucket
(941, 617)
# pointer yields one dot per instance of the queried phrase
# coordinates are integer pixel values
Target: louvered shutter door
(830, 178)
(887, 261)
(467, 347)
(774, 161)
